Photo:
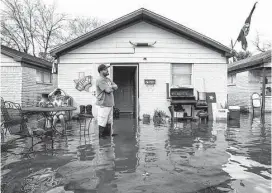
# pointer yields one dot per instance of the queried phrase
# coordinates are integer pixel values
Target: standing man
(105, 100)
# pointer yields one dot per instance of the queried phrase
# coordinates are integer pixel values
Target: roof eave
(142, 14)
(35, 63)
(26, 60)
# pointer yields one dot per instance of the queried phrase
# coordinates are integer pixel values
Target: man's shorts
(104, 115)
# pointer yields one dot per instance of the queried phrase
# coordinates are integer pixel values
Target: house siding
(68, 73)
(8, 61)
(30, 89)
(154, 63)
(239, 94)
(11, 83)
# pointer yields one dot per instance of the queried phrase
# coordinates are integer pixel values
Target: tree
(17, 24)
(49, 28)
(261, 46)
(35, 28)
(80, 25)
(242, 55)
(30, 26)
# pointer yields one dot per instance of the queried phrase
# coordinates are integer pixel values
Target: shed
(143, 47)
(245, 78)
(24, 77)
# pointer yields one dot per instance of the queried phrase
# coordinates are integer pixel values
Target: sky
(220, 20)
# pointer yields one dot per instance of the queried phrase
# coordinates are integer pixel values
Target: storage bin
(234, 112)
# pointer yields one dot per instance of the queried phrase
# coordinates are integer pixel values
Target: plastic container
(146, 119)
(222, 114)
(234, 112)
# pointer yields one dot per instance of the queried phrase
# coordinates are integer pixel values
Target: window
(268, 91)
(232, 79)
(254, 76)
(43, 77)
(182, 74)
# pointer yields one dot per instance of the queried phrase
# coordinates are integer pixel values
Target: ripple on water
(212, 157)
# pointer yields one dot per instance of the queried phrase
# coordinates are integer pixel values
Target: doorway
(126, 97)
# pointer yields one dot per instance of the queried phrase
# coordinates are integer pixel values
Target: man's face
(105, 72)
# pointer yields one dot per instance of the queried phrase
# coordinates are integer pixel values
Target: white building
(142, 46)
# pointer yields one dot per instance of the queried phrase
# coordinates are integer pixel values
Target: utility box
(234, 112)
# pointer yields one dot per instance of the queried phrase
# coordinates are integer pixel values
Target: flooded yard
(183, 157)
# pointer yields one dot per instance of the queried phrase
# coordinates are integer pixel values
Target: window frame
(42, 72)
(233, 80)
(191, 74)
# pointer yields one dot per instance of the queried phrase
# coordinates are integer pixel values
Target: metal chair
(16, 123)
(256, 101)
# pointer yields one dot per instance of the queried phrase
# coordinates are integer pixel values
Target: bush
(159, 117)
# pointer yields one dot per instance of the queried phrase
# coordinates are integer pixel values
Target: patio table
(47, 112)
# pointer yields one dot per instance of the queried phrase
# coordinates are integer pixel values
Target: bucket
(89, 109)
(82, 109)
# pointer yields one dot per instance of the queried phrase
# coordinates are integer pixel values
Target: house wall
(246, 83)
(11, 79)
(30, 89)
(154, 63)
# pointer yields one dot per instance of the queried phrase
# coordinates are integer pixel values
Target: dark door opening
(125, 97)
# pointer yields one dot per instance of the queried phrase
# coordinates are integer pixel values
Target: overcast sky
(217, 19)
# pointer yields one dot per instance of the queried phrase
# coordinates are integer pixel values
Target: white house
(144, 46)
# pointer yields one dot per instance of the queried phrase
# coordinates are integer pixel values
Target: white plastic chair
(256, 101)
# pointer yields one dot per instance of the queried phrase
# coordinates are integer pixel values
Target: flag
(245, 30)
(210, 97)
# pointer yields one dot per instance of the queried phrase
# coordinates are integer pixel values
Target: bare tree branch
(262, 47)
(34, 27)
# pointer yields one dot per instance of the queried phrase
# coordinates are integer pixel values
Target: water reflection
(187, 157)
(249, 147)
(125, 145)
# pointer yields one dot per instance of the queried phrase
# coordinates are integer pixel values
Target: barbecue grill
(182, 96)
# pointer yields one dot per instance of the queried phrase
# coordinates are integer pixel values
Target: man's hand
(114, 86)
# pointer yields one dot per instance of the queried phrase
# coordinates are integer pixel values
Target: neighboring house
(24, 77)
(144, 46)
(245, 77)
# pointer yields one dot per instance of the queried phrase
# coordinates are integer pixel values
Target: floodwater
(184, 157)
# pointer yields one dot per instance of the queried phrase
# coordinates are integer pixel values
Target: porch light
(142, 44)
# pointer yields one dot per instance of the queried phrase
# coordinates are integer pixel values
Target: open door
(126, 97)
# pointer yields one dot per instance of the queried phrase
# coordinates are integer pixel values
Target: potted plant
(159, 117)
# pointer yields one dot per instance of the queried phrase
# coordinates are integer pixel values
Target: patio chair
(256, 101)
(15, 122)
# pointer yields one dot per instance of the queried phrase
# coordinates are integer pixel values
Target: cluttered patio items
(85, 112)
(179, 97)
(14, 121)
(48, 113)
(202, 106)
